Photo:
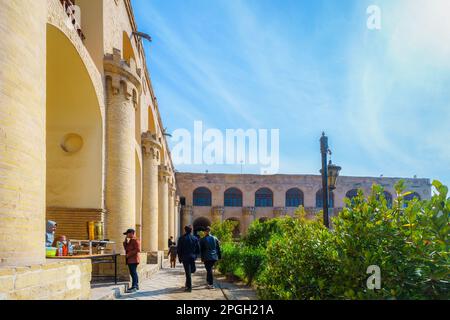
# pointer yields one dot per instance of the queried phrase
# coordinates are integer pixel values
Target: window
(202, 197)
(264, 198)
(410, 197)
(388, 198)
(233, 198)
(351, 194)
(294, 198)
(319, 199)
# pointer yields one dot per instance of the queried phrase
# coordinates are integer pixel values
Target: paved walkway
(168, 284)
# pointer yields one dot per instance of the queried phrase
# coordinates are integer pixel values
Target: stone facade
(81, 138)
(309, 185)
(55, 280)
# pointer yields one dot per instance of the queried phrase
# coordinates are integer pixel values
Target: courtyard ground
(168, 284)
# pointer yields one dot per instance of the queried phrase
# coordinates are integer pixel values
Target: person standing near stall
(132, 248)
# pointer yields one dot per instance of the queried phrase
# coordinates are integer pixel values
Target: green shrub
(259, 233)
(301, 262)
(224, 230)
(409, 243)
(231, 259)
(252, 262)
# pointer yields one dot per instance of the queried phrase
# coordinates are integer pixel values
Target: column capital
(164, 173)
(279, 211)
(125, 77)
(151, 146)
(187, 210)
(218, 211)
(248, 211)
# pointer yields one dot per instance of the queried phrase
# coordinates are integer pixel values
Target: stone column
(22, 132)
(177, 217)
(186, 217)
(151, 151)
(122, 86)
(217, 214)
(163, 216)
(248, 217)
(172, 191)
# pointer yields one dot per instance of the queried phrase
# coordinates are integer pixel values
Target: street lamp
(329, 173)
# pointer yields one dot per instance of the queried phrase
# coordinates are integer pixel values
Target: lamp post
(329, 172)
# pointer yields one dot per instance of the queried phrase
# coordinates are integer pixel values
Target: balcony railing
(74, 15)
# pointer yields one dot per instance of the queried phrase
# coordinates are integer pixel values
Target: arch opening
(233, 198)
(319, 199)
(74, 128)
(294, 198)
(200, 225)
(264, 198)
(237, 228)
(202, 197)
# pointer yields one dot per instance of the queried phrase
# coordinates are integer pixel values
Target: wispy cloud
(305, 67)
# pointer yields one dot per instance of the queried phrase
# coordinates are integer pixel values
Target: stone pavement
(168, 284)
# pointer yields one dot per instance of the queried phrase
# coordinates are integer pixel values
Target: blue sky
(301, 66)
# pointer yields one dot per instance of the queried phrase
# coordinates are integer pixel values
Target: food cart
(98, 251)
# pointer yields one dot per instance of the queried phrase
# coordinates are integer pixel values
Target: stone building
(206, 198)
(81, 139)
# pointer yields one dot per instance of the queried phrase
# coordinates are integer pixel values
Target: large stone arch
(74, 127)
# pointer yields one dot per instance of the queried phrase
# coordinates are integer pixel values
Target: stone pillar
(186, 217)
(279, 212)
(122, 86)
(151, 151)
(248, 214)
(22, 132)
(217, 214)
(177, 217)
(172, 191)
(163, 216)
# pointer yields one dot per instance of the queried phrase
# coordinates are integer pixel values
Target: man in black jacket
(188, 250)
(210, 251)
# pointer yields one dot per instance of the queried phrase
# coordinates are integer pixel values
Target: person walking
(188, 249)
(170, 241)
(132, 248)
(173, 255)
(210, 253)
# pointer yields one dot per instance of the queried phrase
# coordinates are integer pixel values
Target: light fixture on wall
(142, 35)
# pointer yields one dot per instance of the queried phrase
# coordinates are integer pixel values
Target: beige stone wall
(54, 280)
(22, 132)
(279, 184)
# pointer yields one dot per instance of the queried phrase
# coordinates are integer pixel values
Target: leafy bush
(259, 233)
(231, 259)
(224, 230)
(252, 262)
(301, 263)
(409, 243)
